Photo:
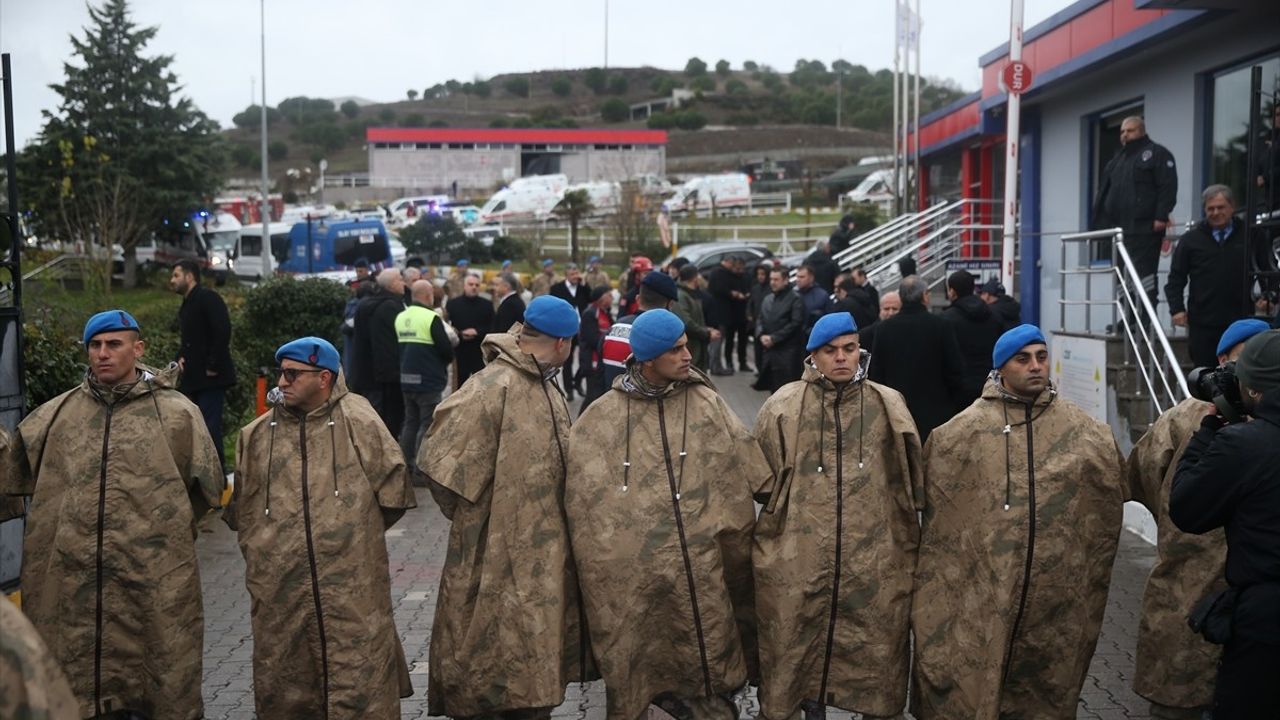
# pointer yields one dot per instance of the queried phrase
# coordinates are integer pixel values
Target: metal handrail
(1153, 320)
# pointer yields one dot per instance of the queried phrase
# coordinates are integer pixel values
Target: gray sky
(378, 49)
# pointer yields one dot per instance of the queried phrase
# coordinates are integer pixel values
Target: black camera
(1220, 387)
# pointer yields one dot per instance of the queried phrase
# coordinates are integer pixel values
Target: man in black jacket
(377, 361)
(1227, 478)
(472, 317)
(916, 353)
(1214, 256)
(1136, 193)
(724, 287)
(977, 330)
(781, 332)
(824, 268)
(575, 292)
(506, 290)
(205, 354)
(1005, 308)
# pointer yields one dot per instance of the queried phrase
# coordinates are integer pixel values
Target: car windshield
(222, 241)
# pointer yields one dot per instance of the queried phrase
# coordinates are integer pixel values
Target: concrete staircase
(1134, 411)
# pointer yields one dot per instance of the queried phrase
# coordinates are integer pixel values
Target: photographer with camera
(1175, 667)
(1229, 476)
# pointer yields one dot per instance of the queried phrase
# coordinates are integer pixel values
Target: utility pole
(606, 34)
(1012, 122)
(897, 53)
(839, 103)
(915, 133)
(266, 184)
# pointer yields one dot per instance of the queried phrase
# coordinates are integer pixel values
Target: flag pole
(897, 53)
(1012, 129)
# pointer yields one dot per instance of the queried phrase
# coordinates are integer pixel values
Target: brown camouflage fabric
(987, 644)
(651, 634)
(836, 529)
(507, 630)
(118, 478)
(1175, 666)
(32, 686)
(313, 498)
(541, 284)
(456, 283)
(11, 506)
(596, 278)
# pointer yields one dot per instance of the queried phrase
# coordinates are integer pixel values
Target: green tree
(304, 110)
(614, 110)
(664, 85)
(596, 79)
(573, 207)
(481, 88)
(695, 67)
(435, 238)
(750, 66)
(123, 147)
(351, 109)
(499, 122)
(617, 85)
(412, 94)
(690, 120)
(736, 87)
(277, 150)
(562, 86)
(242, 155)
(703, 83)
(518, 86)
(251, 117)
(386, 115)
(722, 68)
(413, 120)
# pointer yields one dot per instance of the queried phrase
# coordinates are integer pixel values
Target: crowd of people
(915, 506)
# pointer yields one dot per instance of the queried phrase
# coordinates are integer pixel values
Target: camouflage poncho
(507, 631)
(119, 477)
(1008, 603)
(835, 546)
(664, 545)
(1175, 665)
(32, 685)
(312, 500)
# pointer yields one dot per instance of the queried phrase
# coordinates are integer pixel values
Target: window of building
(944, 178)
(408, 146)
(1229, 122)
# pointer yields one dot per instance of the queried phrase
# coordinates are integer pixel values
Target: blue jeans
(210, 401)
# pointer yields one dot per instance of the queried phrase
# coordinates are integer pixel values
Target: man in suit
(576, 293)
(506, 289)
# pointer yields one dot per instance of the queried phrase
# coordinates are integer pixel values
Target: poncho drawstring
(271, 449)
(1008, 430)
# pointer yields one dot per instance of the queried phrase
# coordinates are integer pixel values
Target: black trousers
(1202, 344)
(211, 401)
(388, 401)
(1247, 687)
(736, 332)
(1144, 251)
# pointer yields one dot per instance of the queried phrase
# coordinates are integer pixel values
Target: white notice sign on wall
(1080, 369)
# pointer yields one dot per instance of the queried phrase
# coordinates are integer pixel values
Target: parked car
(706, 256)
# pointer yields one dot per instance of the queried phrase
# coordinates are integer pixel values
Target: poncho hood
(147, 381)
(505, 348)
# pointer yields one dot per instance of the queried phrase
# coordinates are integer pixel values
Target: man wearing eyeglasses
(319, 480)
(508, 633)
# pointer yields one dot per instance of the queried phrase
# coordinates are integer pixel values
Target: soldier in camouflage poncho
(318, 482)
(119, 470)
(1023, 503)
(835, 546)
(661, 475)
(508, 631)
(32, 685)
(1176, 668)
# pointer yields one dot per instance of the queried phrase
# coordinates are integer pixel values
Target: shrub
(481, 88)
(703, 83)
(661, 121)
(282, 309)
(242, 155)
(386, 115)
(437, 124)
(518, 86)
(750, 66)
(614, 111)
(561, 86)
(522, 122)
(596, 79)
(722, 68)
(412, 120)
(695, 67)
(736, 87)
(499, 122)
(55, 361)
(277, 150)
(351, 109)
(690, 120)
(618, 85)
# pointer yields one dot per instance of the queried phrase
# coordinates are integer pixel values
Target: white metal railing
(1124, 302)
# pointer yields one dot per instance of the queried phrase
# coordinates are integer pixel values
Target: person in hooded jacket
(1174, 666)
(977, 330)
(1008, 310)
(660, 516)
(508, 633)
(319, 480)
(1023, 501)
(377, 360)
(33, 683)
(119, 470)
(835, 544)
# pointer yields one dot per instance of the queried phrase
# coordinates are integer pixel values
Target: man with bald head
(375, 371)
(1136, 193)
(425, 354)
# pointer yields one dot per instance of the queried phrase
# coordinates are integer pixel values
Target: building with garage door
(460, 160)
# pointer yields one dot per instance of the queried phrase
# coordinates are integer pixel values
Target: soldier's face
(838, 359)
(673, 364)
(113, 356)
(1026, 374)
(305, 392)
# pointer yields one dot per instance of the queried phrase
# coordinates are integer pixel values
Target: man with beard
(205, 356)
(835, 545)
(506, 293)
(660, 516)
(508, 631)
(119, 470)
(319, 481)
(472, 317)
(1022, 509)
(977, 329)
(780, 330)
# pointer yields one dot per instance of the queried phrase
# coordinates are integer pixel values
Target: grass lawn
(784, 219)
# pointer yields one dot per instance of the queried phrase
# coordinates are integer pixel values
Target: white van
(554, 183)
(419, 204)
(221, 232)
(605, 197)
(246, 262)
(516, 204)
(730, 190)
(876, 189)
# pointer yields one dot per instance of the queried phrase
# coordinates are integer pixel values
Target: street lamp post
(266, 184)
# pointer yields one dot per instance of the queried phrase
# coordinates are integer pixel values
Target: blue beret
(1239, 331)
(551, 315)
(1011, 342)
(313, 351)
(829, 327)
(506, 264)
(547, 262)
(661, 283)
(593, 259)
(109, 321)
(463, 261)
(655, 332)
